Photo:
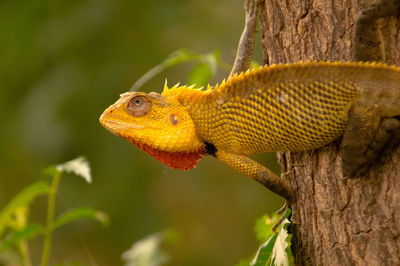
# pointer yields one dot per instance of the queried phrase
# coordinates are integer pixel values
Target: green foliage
(12, 214)
(14, 217)
(200, 74)
(264, 252)
(78, 214)
(30, 231)
(275, 250)
(147, 251)
(206, 67)
(263, 227)
(275, 246)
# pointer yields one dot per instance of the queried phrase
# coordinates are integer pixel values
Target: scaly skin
(292, 107)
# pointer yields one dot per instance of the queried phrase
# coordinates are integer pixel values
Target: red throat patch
(176, 160)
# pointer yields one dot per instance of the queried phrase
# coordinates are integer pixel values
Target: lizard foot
(357, 155)
(245, 50)
(251, 7)
(282, 213)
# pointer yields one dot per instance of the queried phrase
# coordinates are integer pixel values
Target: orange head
(158, 124)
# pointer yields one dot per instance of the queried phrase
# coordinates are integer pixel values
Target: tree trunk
(336, 221)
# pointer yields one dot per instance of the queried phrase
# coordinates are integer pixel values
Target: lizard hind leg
(365, 137)
(367, 132)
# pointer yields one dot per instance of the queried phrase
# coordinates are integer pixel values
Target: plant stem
(25, 255)
(50, 217)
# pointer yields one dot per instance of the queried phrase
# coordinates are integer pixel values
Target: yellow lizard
(292, 107)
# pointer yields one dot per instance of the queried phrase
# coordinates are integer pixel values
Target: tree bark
(336, 221)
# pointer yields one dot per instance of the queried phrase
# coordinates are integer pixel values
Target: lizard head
(157, 124)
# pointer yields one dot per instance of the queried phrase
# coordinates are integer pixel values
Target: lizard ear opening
(174, 119)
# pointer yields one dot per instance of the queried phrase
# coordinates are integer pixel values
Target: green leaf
(279, 253)
(28, 232)
(177, 57)
(212, 59)
(50, 170)
(79, 166)
(264, 225)
(180, 56)
(147, 250)
(264, 252)
(199, 75)
(78, 214)
(18, 219)
(275, 250)
(24, 198)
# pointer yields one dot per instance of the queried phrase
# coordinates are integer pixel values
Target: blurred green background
(61, 64)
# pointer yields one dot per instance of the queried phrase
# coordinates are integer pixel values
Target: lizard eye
(139, 105)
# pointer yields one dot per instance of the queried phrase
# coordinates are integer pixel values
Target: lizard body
(291, 107)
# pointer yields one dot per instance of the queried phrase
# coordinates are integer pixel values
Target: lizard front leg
(245, 49)
(257, 172)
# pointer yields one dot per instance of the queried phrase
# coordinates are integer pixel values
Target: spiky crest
(165, 85)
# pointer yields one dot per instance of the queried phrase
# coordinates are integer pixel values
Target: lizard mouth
(184, 160)
(114, 125)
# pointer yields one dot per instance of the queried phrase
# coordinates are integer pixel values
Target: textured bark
(337, 221)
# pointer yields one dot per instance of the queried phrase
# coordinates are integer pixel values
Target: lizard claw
(282, 209)
(282, 212)
(251, 8)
